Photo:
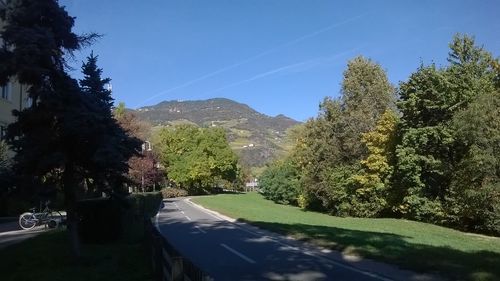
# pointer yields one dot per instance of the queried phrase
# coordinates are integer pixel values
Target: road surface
(11, 233)
(236, 251)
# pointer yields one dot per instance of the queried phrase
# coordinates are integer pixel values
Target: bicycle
(49, 217)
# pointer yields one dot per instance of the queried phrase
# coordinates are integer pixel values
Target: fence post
(177, 270)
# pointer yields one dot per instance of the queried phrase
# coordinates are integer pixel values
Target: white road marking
(249, 260)
(205, 212)
(189, 219)
(201, 230)
(307, 252)
(157, 216)
(182, 212)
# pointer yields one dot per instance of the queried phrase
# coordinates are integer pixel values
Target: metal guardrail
(168, 264)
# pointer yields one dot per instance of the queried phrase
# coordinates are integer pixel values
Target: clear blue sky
(278, 56)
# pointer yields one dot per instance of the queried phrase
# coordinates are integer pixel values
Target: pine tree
(93, 84)
(111, 145)
(65, 135)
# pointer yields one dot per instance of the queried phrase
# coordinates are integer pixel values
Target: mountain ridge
(256, 137)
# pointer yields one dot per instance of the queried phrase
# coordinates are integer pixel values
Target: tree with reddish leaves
(144, 171)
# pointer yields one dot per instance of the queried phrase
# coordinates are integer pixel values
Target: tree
(131, 123)
(473, 201)
(5, 171)
(366, 95)
(331, 146)
(64, 135)
(429, 149)
(197, 159)
(111, 146)
(4, 159)
(144, 172)
(373, 183)
(93, 84)
(317, 149)
(426, 142)
(280, 182)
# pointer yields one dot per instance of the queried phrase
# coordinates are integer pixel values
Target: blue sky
(278, 56)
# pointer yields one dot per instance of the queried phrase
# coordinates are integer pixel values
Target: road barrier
(168, 264)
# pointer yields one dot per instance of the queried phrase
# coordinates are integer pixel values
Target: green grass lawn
(412, 245)
(47, 257)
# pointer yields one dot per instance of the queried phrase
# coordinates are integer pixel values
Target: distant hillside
(257, 138)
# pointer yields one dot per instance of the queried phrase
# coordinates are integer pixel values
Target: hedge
(106, 220)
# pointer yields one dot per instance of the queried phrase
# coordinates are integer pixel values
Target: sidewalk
(11, 233)
(9, 226)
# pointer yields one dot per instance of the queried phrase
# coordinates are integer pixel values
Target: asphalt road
(236, 251)
(11, 233)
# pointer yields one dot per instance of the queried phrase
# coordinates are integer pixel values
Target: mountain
(256, 137)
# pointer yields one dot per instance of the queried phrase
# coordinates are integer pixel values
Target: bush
(141, 207)
(145, 204)
(100, 220)
(173, 192)
(280, 183)
(104, 220)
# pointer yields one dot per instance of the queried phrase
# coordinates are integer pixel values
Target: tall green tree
(197, 159)
(110, 146)
(331, 145)
(429, 149)
(366, 95)
(426, 141)
(473, 200)
(94, 84)
(64, 135)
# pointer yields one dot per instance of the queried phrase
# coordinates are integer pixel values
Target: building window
(28, 102)
(3, 131)
(6, 92)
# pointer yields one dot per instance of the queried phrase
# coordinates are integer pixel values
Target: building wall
(12, 96)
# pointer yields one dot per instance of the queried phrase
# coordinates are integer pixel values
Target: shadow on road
(390, 248)
(395, 249)
(200, 240)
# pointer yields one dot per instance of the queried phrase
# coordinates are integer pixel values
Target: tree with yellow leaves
(372, 184)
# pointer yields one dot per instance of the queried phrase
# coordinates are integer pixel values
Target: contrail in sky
(280, 69)
(245, 61)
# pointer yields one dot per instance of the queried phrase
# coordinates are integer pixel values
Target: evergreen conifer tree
(66, 134)
(92, 83)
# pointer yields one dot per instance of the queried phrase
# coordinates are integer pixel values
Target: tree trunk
(70, 185)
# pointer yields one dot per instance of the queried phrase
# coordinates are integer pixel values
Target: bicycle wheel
(54, 219)
(27, 221)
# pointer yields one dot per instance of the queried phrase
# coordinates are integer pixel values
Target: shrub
(173, 192)
(104, 220)
(100, 220)
(280, 183)
(145, 204)
(140, 208)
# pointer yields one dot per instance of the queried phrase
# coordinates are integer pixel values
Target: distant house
(252, 185)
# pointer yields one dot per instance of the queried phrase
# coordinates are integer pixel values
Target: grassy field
(47, 257)
(412, 245)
